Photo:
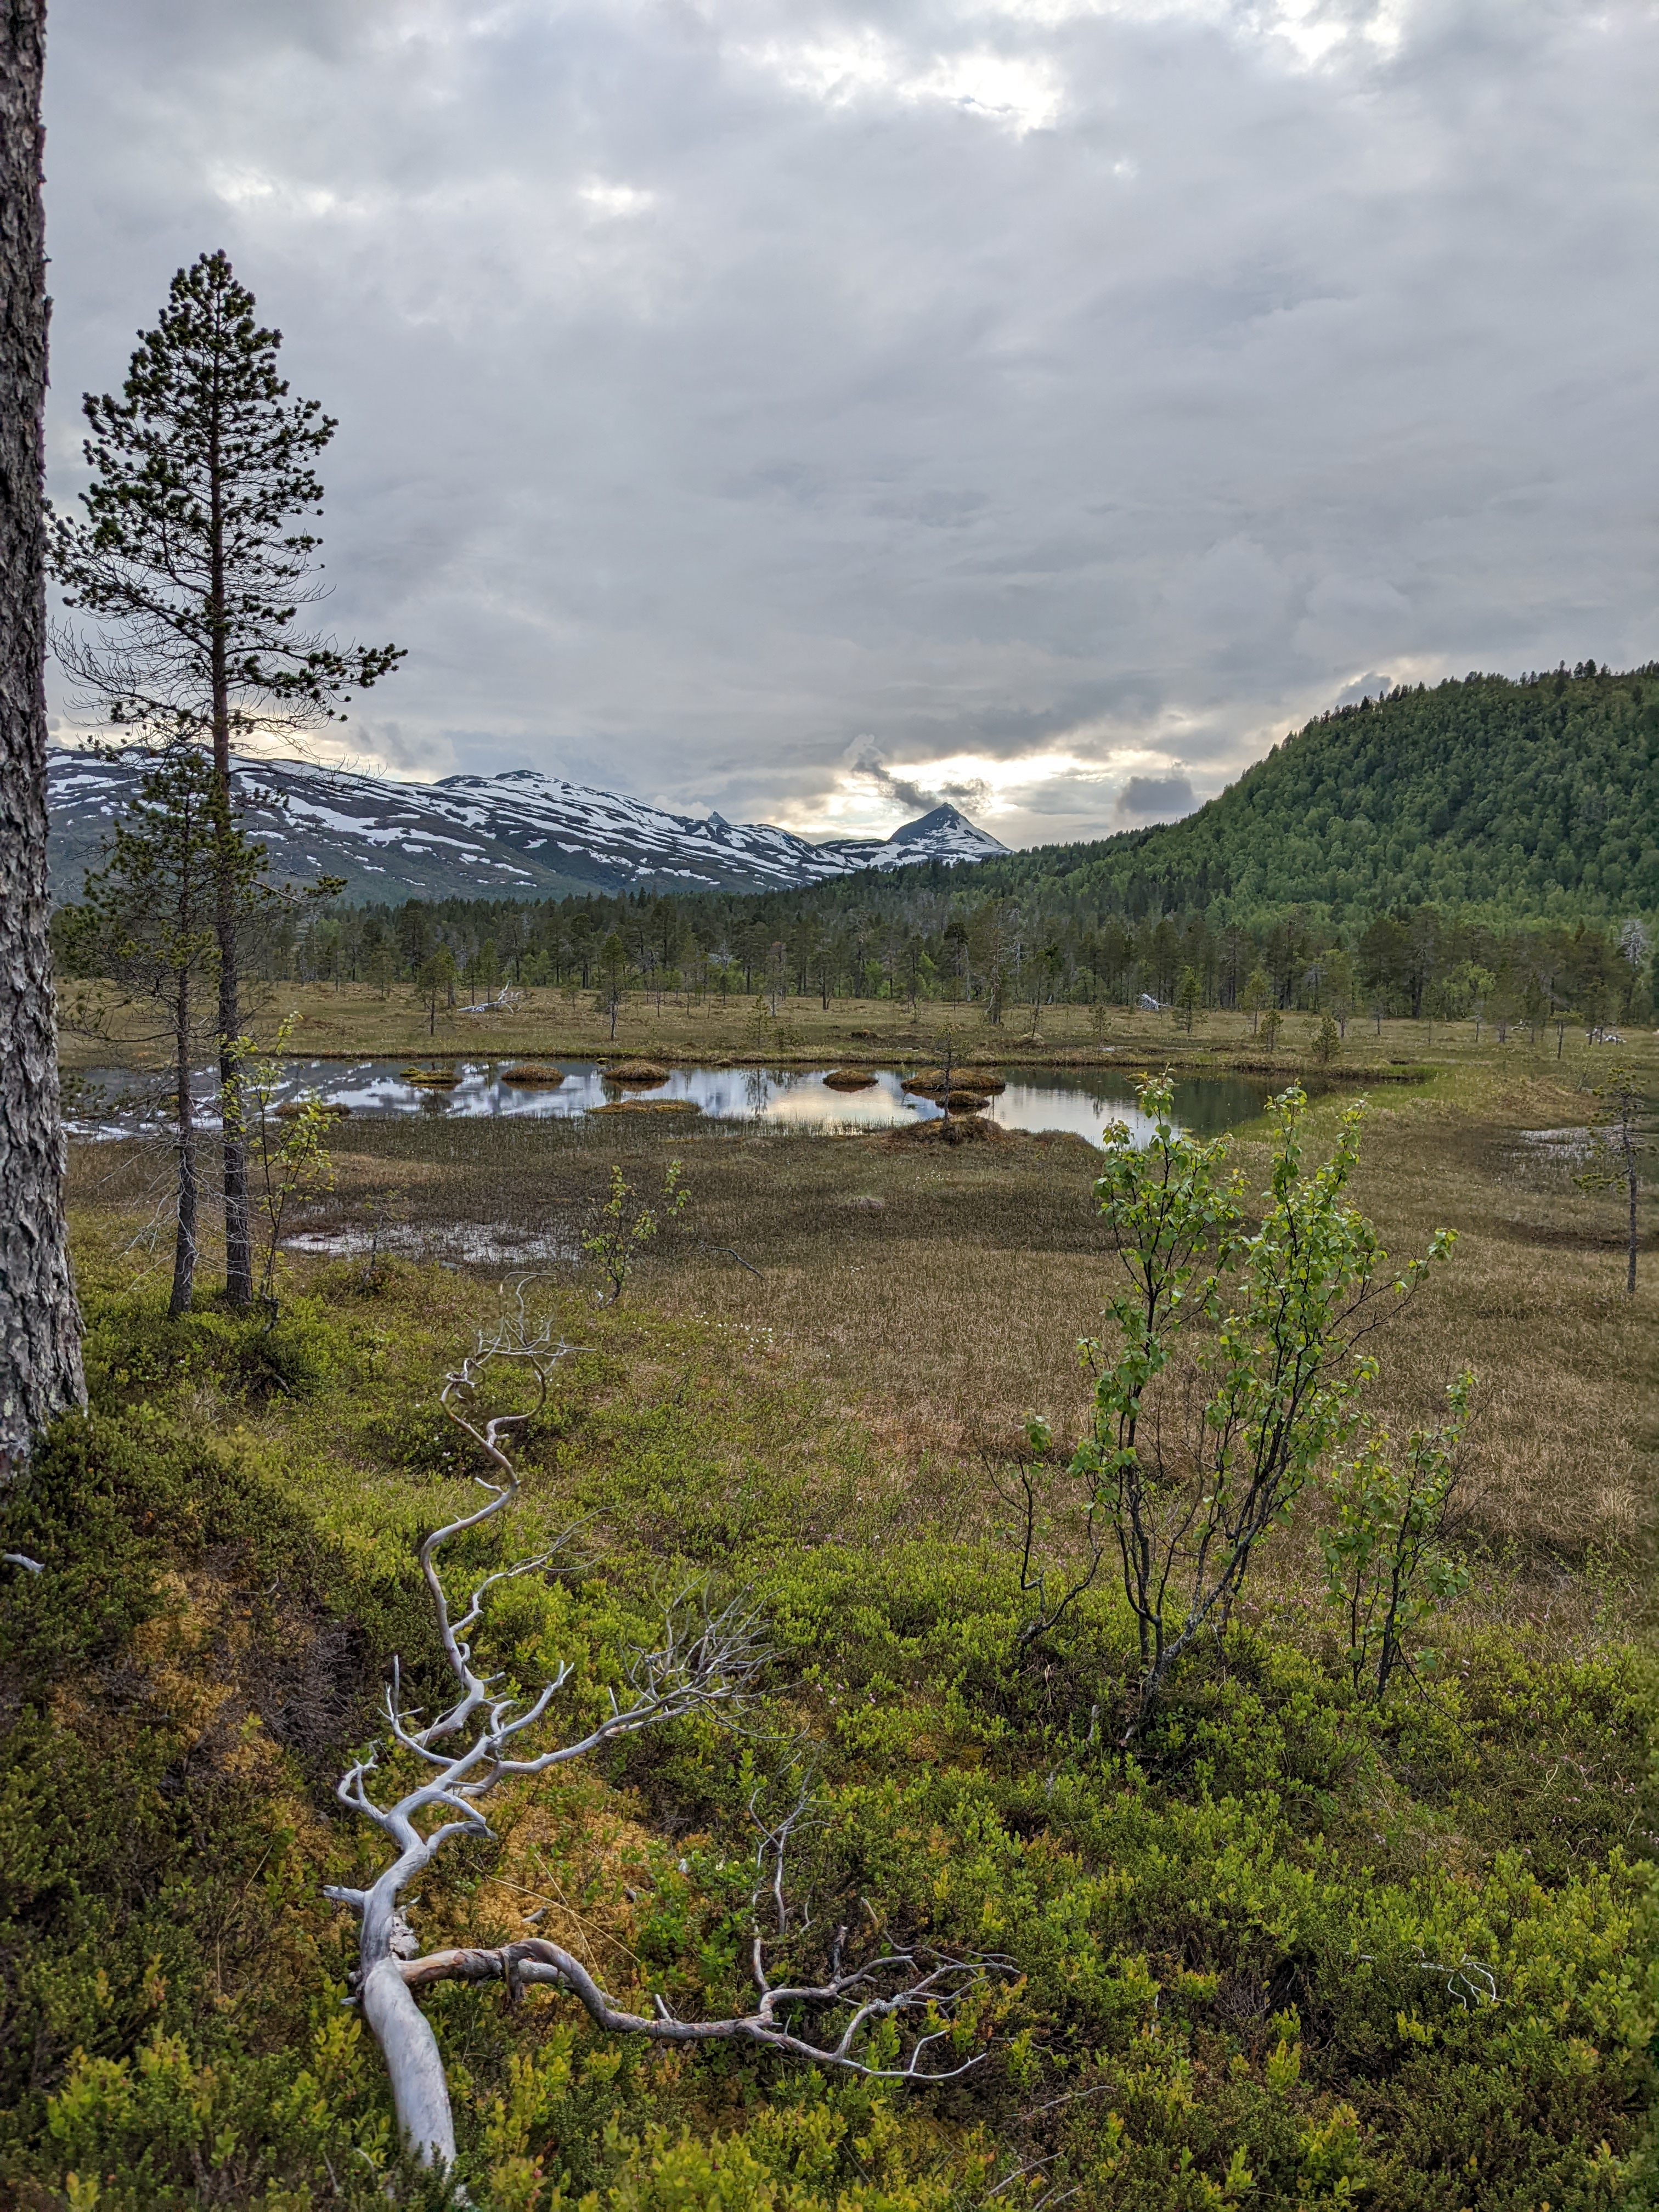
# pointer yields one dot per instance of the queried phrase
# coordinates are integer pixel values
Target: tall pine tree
(192, 564)
(40, 1322)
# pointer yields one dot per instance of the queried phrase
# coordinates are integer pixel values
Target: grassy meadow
(1287, 1948)
(353, 1020)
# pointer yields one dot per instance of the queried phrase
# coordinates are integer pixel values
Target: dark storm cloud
(804, 409)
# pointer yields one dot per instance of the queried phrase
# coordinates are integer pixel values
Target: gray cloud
(905, 794)
(1146, 798)
(1054, 393)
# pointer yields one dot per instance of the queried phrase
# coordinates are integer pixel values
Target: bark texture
(40, 1322)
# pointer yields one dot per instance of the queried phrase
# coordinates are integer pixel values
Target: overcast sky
(807, 410)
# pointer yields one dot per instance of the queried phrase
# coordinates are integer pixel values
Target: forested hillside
(1487, 848)
(1532, 798)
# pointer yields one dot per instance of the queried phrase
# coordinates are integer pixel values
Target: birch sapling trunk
(1627, 1141)
(40, 1322)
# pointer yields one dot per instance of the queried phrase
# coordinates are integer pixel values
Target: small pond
(1078, 1101)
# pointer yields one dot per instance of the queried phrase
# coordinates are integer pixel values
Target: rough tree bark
(40, 1322)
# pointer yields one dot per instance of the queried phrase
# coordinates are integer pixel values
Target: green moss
(1295, 1952)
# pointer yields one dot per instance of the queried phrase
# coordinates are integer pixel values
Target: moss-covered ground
(1293, 1950)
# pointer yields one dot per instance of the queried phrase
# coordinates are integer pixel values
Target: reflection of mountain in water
(1080, 1103)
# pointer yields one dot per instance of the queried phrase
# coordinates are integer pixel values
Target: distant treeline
(1490, 846)
(897, 938)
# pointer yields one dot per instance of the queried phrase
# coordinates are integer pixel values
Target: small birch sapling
(1387, 1568)
(1617, 1145)
(1189, 1472)
(622, 1229)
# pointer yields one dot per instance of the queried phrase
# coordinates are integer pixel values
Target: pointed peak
(947, 826)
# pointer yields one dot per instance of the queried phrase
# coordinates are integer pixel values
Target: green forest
(1488, 848)
(1536, 798)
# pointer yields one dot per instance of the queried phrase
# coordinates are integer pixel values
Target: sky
(813, 411)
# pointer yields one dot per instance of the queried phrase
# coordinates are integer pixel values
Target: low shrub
(134, 1350)
(1297, 1949)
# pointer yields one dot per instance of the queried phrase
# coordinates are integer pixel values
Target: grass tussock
(966, 1082)
(649, 1106)
(635, 1071)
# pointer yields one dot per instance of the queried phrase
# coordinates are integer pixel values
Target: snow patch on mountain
(462, 837)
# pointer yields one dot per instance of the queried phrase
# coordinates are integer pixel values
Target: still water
(1080, 1101)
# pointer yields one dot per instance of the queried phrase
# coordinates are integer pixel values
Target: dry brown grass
(354, 1022)
(648, 1106)
(937, 1292)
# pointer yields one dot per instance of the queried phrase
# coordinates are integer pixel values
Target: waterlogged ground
(1078, 1102)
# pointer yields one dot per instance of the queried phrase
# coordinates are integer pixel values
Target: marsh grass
(353, 1022)
(936, 1294)
(826, 1433)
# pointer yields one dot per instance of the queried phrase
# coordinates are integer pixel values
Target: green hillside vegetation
(1534, 798)
(1487, 850)
(1291, 1943)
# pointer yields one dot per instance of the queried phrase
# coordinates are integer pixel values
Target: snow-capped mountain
(520, 833)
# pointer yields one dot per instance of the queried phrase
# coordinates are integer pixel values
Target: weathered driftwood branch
(478, 1741)
(706, 1659)
(888, 1986)
(938, 1986)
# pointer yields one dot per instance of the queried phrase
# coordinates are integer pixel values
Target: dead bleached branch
(706, 1657)
(893, 1984)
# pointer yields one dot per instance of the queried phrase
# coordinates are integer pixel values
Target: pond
(1078, 1101)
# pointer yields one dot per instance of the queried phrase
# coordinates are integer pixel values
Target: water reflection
(1078, 1101)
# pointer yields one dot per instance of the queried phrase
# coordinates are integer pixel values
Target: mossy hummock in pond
(966, 1082)
(529, 1072)
(649, 1106)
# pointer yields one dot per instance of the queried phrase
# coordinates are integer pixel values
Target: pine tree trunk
(184, 1250)
(40, 1322)
(239, 1241)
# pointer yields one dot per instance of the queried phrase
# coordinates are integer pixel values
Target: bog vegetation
(1344, 1898)
(878, 1676)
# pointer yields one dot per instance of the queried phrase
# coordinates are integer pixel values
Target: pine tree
(191, 563)
(147, 922)
(40, 1323)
